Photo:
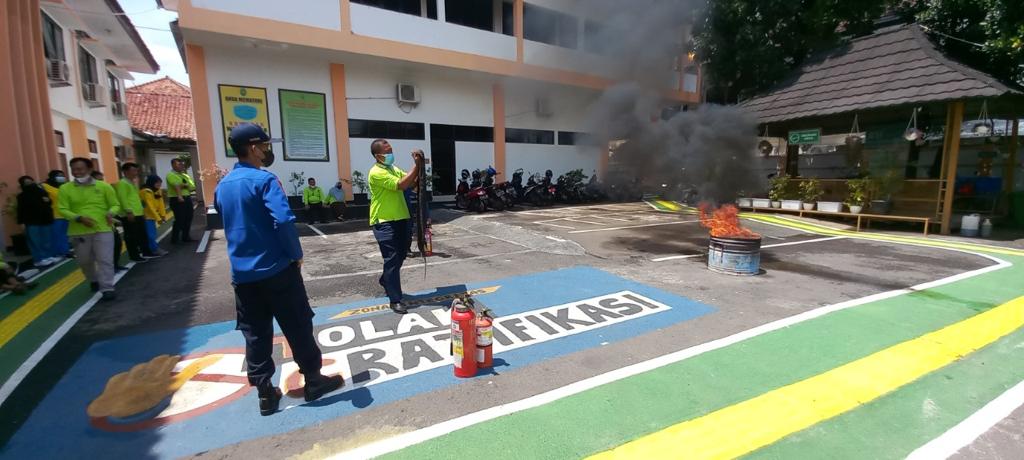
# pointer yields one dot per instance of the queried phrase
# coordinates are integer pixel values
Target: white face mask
(83, 180)
(60, 179)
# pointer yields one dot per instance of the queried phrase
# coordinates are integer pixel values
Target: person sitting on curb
(313, 198)
(336, 201)
(9, 282)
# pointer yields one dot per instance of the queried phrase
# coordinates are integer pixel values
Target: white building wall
(324, 14)
(271, 71)
(474, 155)
(367, 20)
(451, 97)
(568, 113)
(60, 123)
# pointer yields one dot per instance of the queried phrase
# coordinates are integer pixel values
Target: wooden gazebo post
(951, 146)
(1011, 163)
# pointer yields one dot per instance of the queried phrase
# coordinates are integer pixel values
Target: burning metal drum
(734, 256)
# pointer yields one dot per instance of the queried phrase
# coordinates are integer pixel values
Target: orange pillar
(39, 87)
(339, 102)
(195, 59)
(108, 158)
(21, 52)
(517, 17)
(498, 93)
(346, 16)
(78, 140)
(602, 162)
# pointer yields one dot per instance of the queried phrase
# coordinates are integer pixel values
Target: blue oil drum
(734, 256)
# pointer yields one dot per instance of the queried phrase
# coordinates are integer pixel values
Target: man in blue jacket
(266, 257)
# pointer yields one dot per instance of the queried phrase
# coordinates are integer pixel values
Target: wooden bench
(861, 218)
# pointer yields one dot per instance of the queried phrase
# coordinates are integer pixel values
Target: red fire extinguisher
(463, 339)
(484, 339)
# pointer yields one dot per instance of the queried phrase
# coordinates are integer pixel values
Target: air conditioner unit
(408, 94)
(58, 73)
(543, 107)
(93, 94)
(120, 110)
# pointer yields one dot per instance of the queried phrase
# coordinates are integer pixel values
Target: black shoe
(120, 268)
(109, 295)
(397, 307)
(270, 400)
(321, 385)
(94, 287)
(187, 240)
(139, 260)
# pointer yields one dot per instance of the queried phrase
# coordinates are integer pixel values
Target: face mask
(60, 179)
(83, 180)
(389, 159)
(268, 159)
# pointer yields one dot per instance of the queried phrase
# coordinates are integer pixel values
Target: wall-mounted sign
(805, 136)
(242, 104)
(304, 122)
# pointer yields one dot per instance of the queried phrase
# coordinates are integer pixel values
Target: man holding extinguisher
(389, 215)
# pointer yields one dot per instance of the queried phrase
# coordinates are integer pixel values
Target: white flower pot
(762, 203)
(856, 209)
(830, 206)
(808, 206)
(793, 205)
(745, 202)
(776, 204)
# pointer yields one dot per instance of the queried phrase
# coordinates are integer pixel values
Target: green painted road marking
(12, 302)
(610, 415)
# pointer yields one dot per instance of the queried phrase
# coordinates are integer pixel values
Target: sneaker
(150, 256)
(53, 260)
(161, 253)
(94, 286)
(397, 307)
(139, 260)
(270, 400)
(321, 385)
(120, 268)
(108, 295)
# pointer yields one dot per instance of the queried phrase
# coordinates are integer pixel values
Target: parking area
(583, 294)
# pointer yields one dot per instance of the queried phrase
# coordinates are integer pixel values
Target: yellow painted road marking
(671, 205)
(747, 426)
(416, 302)
(13, 324)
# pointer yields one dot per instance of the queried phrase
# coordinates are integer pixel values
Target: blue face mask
(389, 159)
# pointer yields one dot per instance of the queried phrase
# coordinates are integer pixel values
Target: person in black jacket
(35, 212)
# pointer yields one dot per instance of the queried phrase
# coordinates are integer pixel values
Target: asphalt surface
(632, 241)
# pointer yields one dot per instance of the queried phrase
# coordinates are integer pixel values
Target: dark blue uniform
(264, 249)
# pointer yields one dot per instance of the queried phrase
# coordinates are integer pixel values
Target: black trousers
(118, 242)
(182, 219)
(258, 304)
(317, 213)
(135, 237)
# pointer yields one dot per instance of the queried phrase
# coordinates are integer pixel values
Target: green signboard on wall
(304, 123)
(805, 136)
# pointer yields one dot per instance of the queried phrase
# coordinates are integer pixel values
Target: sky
(153, 25)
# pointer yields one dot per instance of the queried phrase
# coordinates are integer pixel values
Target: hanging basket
(766, 148)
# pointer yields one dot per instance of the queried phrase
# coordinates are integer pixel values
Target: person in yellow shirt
(60, 244)
(313, 198)
(154, 209)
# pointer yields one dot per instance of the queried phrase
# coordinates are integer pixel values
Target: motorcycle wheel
(535, 199)
(461, 202)
(477, 206)
(496, 204)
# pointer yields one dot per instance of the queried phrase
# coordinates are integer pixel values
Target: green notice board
(805, 136)
(304, 122)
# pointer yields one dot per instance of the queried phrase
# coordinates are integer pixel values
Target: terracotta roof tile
(162, 106)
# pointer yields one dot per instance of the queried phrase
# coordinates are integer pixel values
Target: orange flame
(724, 222)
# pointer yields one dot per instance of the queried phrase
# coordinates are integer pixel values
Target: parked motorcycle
(496, 198)
(470, 196)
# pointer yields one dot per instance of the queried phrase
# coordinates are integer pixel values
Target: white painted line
(687, 256)
(571, 219)
(965, 432)
(202, 244)
(317, 231)
(554, 239)
(38, 355)
(420, 265)
(607, 217)
(415, 437)
(634, 226)
(556, 225)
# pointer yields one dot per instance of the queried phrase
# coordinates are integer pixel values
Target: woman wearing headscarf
(59, 232)
(154, 209)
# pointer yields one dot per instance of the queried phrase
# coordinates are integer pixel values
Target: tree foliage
(748, 46)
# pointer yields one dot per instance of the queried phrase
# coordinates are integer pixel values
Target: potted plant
(884, 186)
(358, 181)
(857, 194)
(297, 180)
(212, 177)
(777, 190)
(810, 192)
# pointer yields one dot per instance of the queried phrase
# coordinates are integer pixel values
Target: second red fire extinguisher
(463, 339)
(484, 340)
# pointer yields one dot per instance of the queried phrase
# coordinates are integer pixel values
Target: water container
(969, 225)
(986, 228)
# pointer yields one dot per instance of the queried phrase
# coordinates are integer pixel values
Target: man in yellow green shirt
(180, 187)
(89, 207)
(389, 215)
(132, 218)
(313, 197)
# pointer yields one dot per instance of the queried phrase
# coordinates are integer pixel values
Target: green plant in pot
(777, 190)
(857, 194)
(810, 193)
(358, 182)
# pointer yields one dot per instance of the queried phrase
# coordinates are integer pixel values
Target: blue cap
(248, 133)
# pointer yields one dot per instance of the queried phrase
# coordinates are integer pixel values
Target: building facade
(473, 83)
(160, 113)
(62, 82)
